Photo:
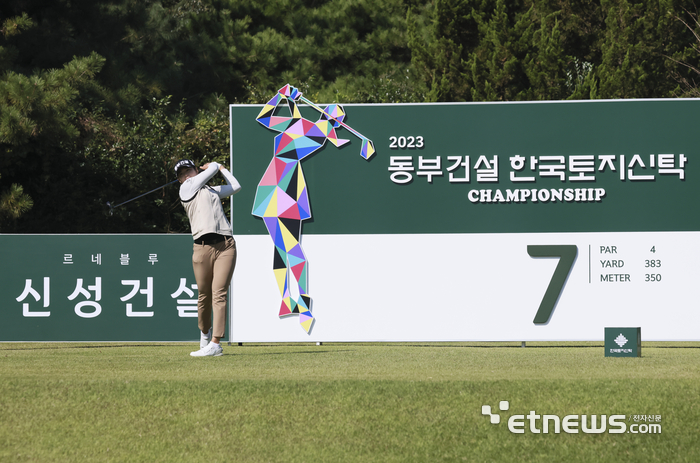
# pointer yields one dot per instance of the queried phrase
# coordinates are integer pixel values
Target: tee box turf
(623, 342)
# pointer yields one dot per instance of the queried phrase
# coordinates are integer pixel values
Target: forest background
(99, 98)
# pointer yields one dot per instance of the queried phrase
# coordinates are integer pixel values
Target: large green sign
(491, 168)
(97, 288)
(471, 221)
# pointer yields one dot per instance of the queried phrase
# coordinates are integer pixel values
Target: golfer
(214, 250)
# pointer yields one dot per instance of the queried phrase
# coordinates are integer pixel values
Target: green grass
(339, 402)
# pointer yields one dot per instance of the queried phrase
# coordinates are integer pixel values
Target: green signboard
(623, 342)
(490, 168)
(471, 221)
(97, 288)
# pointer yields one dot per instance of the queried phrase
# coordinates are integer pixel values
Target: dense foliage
(498, 50)
(98, 98)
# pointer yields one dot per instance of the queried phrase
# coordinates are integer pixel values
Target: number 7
(567, 256)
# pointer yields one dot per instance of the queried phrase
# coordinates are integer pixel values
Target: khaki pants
(213, 266)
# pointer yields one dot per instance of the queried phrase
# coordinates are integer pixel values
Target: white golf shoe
(204, 339)
(212, 349)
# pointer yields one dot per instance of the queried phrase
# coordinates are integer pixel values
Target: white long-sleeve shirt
(203, 202)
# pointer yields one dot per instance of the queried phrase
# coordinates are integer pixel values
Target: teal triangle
(262, 199)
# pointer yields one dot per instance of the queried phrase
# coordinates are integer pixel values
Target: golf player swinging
(214, 249)
(282, 199)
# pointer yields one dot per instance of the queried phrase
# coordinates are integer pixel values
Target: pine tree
(548, 49)
(13, 203)
(638, 40)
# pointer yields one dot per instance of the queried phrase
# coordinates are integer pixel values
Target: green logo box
(623, 342)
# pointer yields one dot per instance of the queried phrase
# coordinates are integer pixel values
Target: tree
(98, 98)
(137, 155)
(490, 50)
(638, 38)
(38, 112)
(13, 203)
(688, 83)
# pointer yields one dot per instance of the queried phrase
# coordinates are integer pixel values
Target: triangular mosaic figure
(282, 198)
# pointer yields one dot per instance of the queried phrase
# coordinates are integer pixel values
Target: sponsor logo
(620, 340)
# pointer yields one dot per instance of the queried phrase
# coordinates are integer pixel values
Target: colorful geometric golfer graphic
(282, 197)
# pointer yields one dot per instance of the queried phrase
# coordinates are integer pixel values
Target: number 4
(567, 256)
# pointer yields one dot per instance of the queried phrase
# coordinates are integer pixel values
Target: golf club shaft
(316, 107)
(140, 196)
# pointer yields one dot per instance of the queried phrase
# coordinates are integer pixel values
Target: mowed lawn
(342, 402)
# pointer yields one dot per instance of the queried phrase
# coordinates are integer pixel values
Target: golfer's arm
(232, 186)
(194, 184)
(280, 123)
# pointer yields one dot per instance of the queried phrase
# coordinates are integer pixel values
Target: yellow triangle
(370, 150)
(307, 324)
(324, 126)
(289, 240)
(301, 182)
(267, 108)
(280, 276)
(271, 210)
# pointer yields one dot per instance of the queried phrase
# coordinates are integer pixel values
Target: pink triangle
(280, 167)
(277, 120)
(284, 309)
(291, 213)
(284, 202)
(297, 128)
(308, 126)
(298, 269)
(270, 177)
(284, 140)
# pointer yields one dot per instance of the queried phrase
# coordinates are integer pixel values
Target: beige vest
(206, 214)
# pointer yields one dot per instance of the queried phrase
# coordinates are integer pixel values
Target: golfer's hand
(293, 93)
(206, 166)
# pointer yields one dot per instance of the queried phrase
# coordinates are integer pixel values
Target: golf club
(111, 207)
(367, 149)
